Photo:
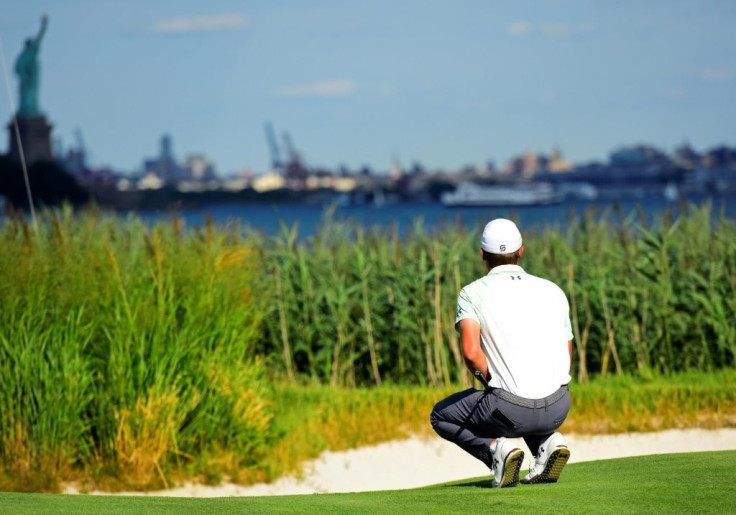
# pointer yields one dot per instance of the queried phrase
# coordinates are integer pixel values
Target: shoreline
(423, 461)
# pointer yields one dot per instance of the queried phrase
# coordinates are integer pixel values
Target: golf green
(668, 483)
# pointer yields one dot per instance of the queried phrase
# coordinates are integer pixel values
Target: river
(269, 219)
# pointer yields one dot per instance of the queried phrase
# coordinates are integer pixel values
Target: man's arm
(470, 339)
(569, 348)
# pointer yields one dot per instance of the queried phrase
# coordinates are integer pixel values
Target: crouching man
(517, 339)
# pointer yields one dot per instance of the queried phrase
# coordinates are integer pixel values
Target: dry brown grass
(146, 435)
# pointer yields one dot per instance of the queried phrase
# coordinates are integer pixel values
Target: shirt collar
(506, 269)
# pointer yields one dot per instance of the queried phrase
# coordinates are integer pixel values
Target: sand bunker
(419, 462)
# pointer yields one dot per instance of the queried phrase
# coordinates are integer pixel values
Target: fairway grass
(671, 483)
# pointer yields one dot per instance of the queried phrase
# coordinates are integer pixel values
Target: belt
(530, 403)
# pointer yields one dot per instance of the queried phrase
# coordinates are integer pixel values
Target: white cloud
(201, 24)
(549, 29)
(330, 88)
(716, 74)
(519, 28)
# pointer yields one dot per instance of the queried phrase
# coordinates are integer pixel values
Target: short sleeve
(465, 308)
(568, 328)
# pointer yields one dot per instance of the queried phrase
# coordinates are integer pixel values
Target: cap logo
(503, 248)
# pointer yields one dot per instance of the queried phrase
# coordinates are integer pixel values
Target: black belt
(530, 403)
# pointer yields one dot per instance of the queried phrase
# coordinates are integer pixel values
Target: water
(269, 219)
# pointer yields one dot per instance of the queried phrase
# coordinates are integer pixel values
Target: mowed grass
(674, 483)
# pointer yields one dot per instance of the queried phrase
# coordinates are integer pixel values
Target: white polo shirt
(524, 329)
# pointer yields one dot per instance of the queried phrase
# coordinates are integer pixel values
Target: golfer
(516, 337)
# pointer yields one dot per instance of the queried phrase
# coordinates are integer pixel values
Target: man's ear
(521, 251)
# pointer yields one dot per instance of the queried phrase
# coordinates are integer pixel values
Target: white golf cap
(500, 236)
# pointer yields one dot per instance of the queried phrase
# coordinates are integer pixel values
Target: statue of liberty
(27, 69)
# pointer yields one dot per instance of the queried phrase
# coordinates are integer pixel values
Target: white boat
(471, 194)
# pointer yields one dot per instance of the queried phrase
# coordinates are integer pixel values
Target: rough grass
(311, 419)
(653, 403)
(675, 483)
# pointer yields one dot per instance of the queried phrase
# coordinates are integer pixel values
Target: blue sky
(445, 83)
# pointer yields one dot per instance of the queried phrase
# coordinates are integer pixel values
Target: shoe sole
(511, 469)
(553, 468)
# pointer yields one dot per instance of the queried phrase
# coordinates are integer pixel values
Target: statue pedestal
(35, 135)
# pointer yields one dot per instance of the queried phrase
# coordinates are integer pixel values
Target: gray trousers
(472, 418)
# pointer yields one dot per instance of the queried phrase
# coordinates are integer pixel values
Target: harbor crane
(273, 147)
(292, 168)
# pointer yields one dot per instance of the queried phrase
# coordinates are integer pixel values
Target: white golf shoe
(549, 462)
(507, 461)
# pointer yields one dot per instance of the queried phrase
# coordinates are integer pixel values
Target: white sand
(420, 462)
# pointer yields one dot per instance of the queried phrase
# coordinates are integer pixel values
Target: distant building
(237, 183)
(198, 168)
(196, 174)
(642, 157)
(150, 181)
(557, 163)
(720, 157)
(530, 164)
(686, 157)
(396, 170)
(269, 181)
(164, 166)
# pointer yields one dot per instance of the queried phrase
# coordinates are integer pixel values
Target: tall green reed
(149, 335)
(369, 306)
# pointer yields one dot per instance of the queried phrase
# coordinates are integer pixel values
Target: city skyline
(444, 84)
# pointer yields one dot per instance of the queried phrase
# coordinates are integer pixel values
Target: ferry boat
(471, 194)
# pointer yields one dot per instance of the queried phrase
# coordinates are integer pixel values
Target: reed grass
(366, 306)
(134, 354)
(128, 353)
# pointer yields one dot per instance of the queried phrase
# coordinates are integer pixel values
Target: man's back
(525, 330)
